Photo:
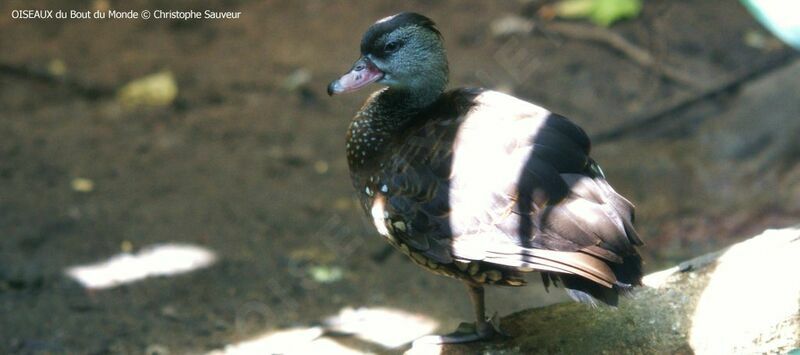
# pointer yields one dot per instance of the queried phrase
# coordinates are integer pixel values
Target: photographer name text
(125, 14)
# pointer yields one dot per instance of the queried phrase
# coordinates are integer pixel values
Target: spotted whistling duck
(478, 185)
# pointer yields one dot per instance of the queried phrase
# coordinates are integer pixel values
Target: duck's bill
(362, 74)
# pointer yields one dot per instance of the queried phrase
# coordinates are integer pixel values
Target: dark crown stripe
(403, 19)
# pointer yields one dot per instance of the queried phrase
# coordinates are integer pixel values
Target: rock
(741, 300)
(511, 25)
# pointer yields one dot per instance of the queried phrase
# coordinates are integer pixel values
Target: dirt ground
(252, 167)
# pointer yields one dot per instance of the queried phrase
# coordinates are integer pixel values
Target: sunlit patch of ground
(157, 260)
(386, 327)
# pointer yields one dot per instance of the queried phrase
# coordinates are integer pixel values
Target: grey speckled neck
(383, 117)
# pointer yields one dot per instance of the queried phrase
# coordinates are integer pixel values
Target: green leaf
(326, 274)
(601, 12)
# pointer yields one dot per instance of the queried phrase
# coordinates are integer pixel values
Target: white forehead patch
(387, 18)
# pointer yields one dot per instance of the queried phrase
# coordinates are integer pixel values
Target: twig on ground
(733, 81)
(614, 40)
(88, 91)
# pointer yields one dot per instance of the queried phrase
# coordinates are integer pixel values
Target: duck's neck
(389, 109)
(383, 117)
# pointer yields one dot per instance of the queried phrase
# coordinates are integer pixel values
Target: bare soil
(255, 170)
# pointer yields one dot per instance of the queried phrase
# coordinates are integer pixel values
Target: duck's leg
(483, 328)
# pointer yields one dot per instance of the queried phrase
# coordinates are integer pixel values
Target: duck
(478, 185)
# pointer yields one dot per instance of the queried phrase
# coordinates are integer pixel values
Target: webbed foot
(466, 333)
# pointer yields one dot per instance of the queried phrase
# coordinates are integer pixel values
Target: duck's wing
(507, 182)
(412, 186)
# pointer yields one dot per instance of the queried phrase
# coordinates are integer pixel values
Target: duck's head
(404, 52)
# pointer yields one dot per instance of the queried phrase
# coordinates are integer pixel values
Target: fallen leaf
(326, 274)
(82, 185)
(158, 89)
(57, 67)
(601, 12)
(321, 167)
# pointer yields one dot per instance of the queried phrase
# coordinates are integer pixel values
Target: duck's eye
(391, 46)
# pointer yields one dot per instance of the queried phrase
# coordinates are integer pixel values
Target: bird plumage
(480, 176)
(478, 185)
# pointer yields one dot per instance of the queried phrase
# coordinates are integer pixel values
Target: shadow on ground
(248, 163)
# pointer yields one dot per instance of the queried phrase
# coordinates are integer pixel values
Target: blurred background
(175, 186)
